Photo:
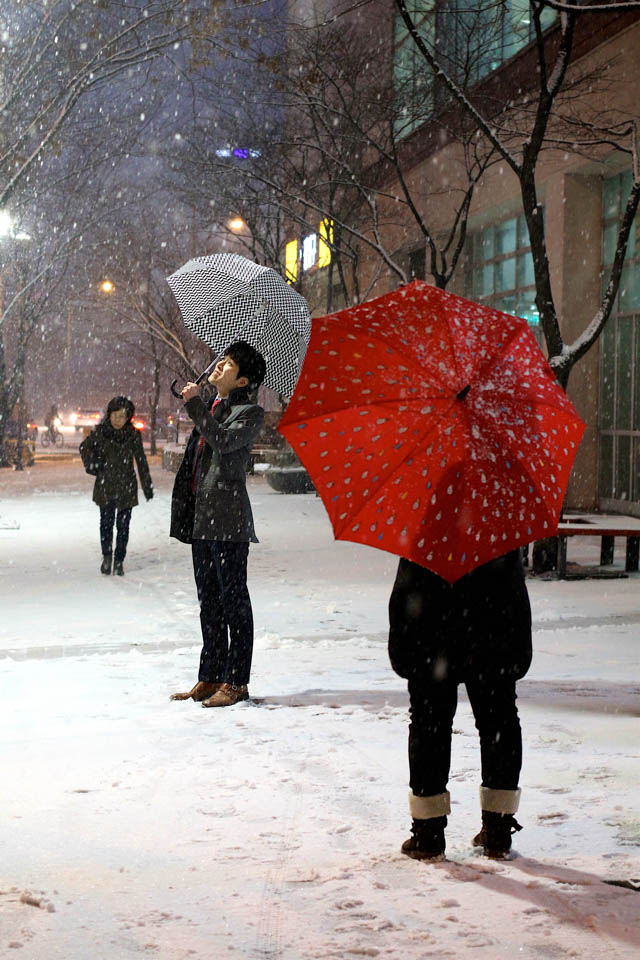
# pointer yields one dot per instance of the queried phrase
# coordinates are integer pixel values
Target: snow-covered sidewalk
(272, 829)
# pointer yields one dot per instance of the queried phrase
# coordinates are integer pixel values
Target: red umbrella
(434, 428)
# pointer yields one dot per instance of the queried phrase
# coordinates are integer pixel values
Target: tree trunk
(155, 398)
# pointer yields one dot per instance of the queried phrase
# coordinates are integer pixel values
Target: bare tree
(141, 311)
(55, 54)
(338, 156)
(29, 284)
(535, 117)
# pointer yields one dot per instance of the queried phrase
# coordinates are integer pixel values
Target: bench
(607, 527)
(261, 455)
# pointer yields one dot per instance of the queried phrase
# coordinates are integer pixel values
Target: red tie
(194, 476)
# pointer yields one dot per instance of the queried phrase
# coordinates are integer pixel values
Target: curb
(66, 455)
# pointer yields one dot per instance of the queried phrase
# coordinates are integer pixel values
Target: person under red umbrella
(476, 631)
(433, 428)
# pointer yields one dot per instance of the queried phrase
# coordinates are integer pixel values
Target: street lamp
(237, 224)
(107, 286)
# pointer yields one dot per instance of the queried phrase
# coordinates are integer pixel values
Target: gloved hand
(149, 495)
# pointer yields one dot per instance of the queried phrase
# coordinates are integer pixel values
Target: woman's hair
(251, 363)
(120, 403)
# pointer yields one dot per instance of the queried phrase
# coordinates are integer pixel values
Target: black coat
(109, 454)
(479, 625)
(220, 510)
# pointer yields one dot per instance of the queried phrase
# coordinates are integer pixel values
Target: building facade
(583, 196)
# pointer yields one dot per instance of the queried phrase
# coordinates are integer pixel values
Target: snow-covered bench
(605, 526)
(261, 455)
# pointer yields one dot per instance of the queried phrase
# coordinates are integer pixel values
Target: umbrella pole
(205, 373)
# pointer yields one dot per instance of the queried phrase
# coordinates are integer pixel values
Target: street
(133, 825)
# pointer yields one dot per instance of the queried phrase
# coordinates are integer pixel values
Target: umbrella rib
(367, 405)
(453, 351)
(505, 441)
(496, 357)
(378, 339)
(420, 440)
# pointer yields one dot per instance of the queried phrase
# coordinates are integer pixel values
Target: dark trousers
(433, 706)
(226, 618)
(108, 516)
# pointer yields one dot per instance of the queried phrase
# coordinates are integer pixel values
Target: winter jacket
(479, 625)
(220, 508)
(109, 453)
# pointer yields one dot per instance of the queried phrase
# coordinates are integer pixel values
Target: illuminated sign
(309, 251)
(241, 153)
(325, 234)
(291, 261)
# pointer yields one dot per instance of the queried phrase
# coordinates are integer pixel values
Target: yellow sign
(325, 235)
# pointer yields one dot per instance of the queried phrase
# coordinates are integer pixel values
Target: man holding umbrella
(225, 297)
(211, 510)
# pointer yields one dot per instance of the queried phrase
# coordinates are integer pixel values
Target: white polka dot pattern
(226, 297)
(434, 428)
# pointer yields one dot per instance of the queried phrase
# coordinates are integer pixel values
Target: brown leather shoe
(227, 695)
(200, 691)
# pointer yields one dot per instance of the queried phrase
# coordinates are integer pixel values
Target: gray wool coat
(220, 509)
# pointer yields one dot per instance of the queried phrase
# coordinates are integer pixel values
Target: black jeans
(433, 706)
(226, 618)
(108, 516)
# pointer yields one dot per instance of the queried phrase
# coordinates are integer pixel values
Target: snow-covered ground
(272, 829)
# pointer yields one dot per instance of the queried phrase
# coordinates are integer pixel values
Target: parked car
(84, 417)
(142, 422)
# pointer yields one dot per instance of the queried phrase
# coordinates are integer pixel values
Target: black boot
(118, 570)
(495, 836)
(427, 839)
(105, 566)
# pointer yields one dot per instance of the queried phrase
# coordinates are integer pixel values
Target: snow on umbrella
(434, 428)
(226, 297)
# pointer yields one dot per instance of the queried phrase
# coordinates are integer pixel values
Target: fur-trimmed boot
(105, 566)
(498, 822)
(429, 820)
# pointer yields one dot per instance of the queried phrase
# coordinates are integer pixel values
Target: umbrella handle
(199, 379)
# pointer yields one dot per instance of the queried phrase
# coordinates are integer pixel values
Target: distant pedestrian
(211, 510)
(108, 454)
(476, 631)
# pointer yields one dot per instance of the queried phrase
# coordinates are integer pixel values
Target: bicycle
(52, 436)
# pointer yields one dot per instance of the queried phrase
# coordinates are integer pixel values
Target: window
(619, 396)
(471, 39)
(418, 264)
(412, 80)
(500, 270)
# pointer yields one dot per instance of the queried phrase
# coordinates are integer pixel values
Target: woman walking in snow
(108, 454)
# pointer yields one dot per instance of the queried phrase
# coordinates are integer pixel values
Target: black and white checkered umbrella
(226, 297)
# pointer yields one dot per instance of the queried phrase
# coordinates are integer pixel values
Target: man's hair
(251, 363)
